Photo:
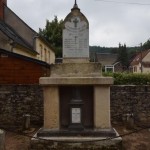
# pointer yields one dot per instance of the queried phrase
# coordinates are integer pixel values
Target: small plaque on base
(76, 115)
(76, 119)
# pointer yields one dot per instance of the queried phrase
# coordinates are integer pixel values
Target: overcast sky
(110, 22)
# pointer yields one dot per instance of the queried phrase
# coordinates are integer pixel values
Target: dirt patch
(135, 141)
(140, 140)
(18, 140)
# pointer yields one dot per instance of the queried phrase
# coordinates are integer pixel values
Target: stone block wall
(18, 100)
(132, 100)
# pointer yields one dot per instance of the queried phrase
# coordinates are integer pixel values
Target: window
(109, 68)
(135, 69)
(48, 57)
(45, 54)
(41, 51)
(4, 55)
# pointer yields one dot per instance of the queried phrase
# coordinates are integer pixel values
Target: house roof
(20, 38)
(2, 51)
(106, 58)
(137, 59)
(10, 32)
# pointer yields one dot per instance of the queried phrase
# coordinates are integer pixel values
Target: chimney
(2, 3)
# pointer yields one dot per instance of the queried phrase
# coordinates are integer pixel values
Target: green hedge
(129, 78)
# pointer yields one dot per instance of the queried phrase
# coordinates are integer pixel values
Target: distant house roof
(9, 32)
(2, 51)
(137, 59)
(106, 58)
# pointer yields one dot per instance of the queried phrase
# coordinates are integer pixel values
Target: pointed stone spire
(75, 7)
(75, 4)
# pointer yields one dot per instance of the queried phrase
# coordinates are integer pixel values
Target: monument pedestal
(92, 88)
(61, 126)
(101, 99)
(76, 96)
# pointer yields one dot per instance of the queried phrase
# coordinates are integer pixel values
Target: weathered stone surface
(51, 108)
(76, 143)
(134, 100)
(102, 107)
(2, 140)
(75, 35)
(76, 70)
(18, 100)
(76, 81)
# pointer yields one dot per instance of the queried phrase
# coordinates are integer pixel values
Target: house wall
(5, 43)
(18, 71)
(137, 63)
(17, 100)
(146, 58)
(146, 70)
(136, 68)
(45, 52)
(139, 68)
(23, 51)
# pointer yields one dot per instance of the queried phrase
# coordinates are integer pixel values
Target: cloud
(110, 23)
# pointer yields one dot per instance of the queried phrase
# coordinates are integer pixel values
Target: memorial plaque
(76, 115)
(76, 39)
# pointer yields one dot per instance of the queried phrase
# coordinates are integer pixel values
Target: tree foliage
(53, 34)
(99, 49)
(129, 78)
(123, 55)
(146, 45)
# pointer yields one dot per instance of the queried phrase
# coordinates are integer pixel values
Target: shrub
(129, 78)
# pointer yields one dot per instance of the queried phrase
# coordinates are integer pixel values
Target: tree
(146, 45)
(123, 55)
(53, 34)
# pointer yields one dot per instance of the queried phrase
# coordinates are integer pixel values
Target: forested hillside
(99, 49)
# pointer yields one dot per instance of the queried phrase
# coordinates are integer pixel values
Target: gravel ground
(135, 141)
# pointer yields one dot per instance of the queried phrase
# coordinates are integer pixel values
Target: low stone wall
(131, 101)
(18, 100)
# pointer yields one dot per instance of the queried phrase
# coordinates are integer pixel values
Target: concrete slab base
(76, 142)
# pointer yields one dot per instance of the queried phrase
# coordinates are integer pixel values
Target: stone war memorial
(76, 96)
